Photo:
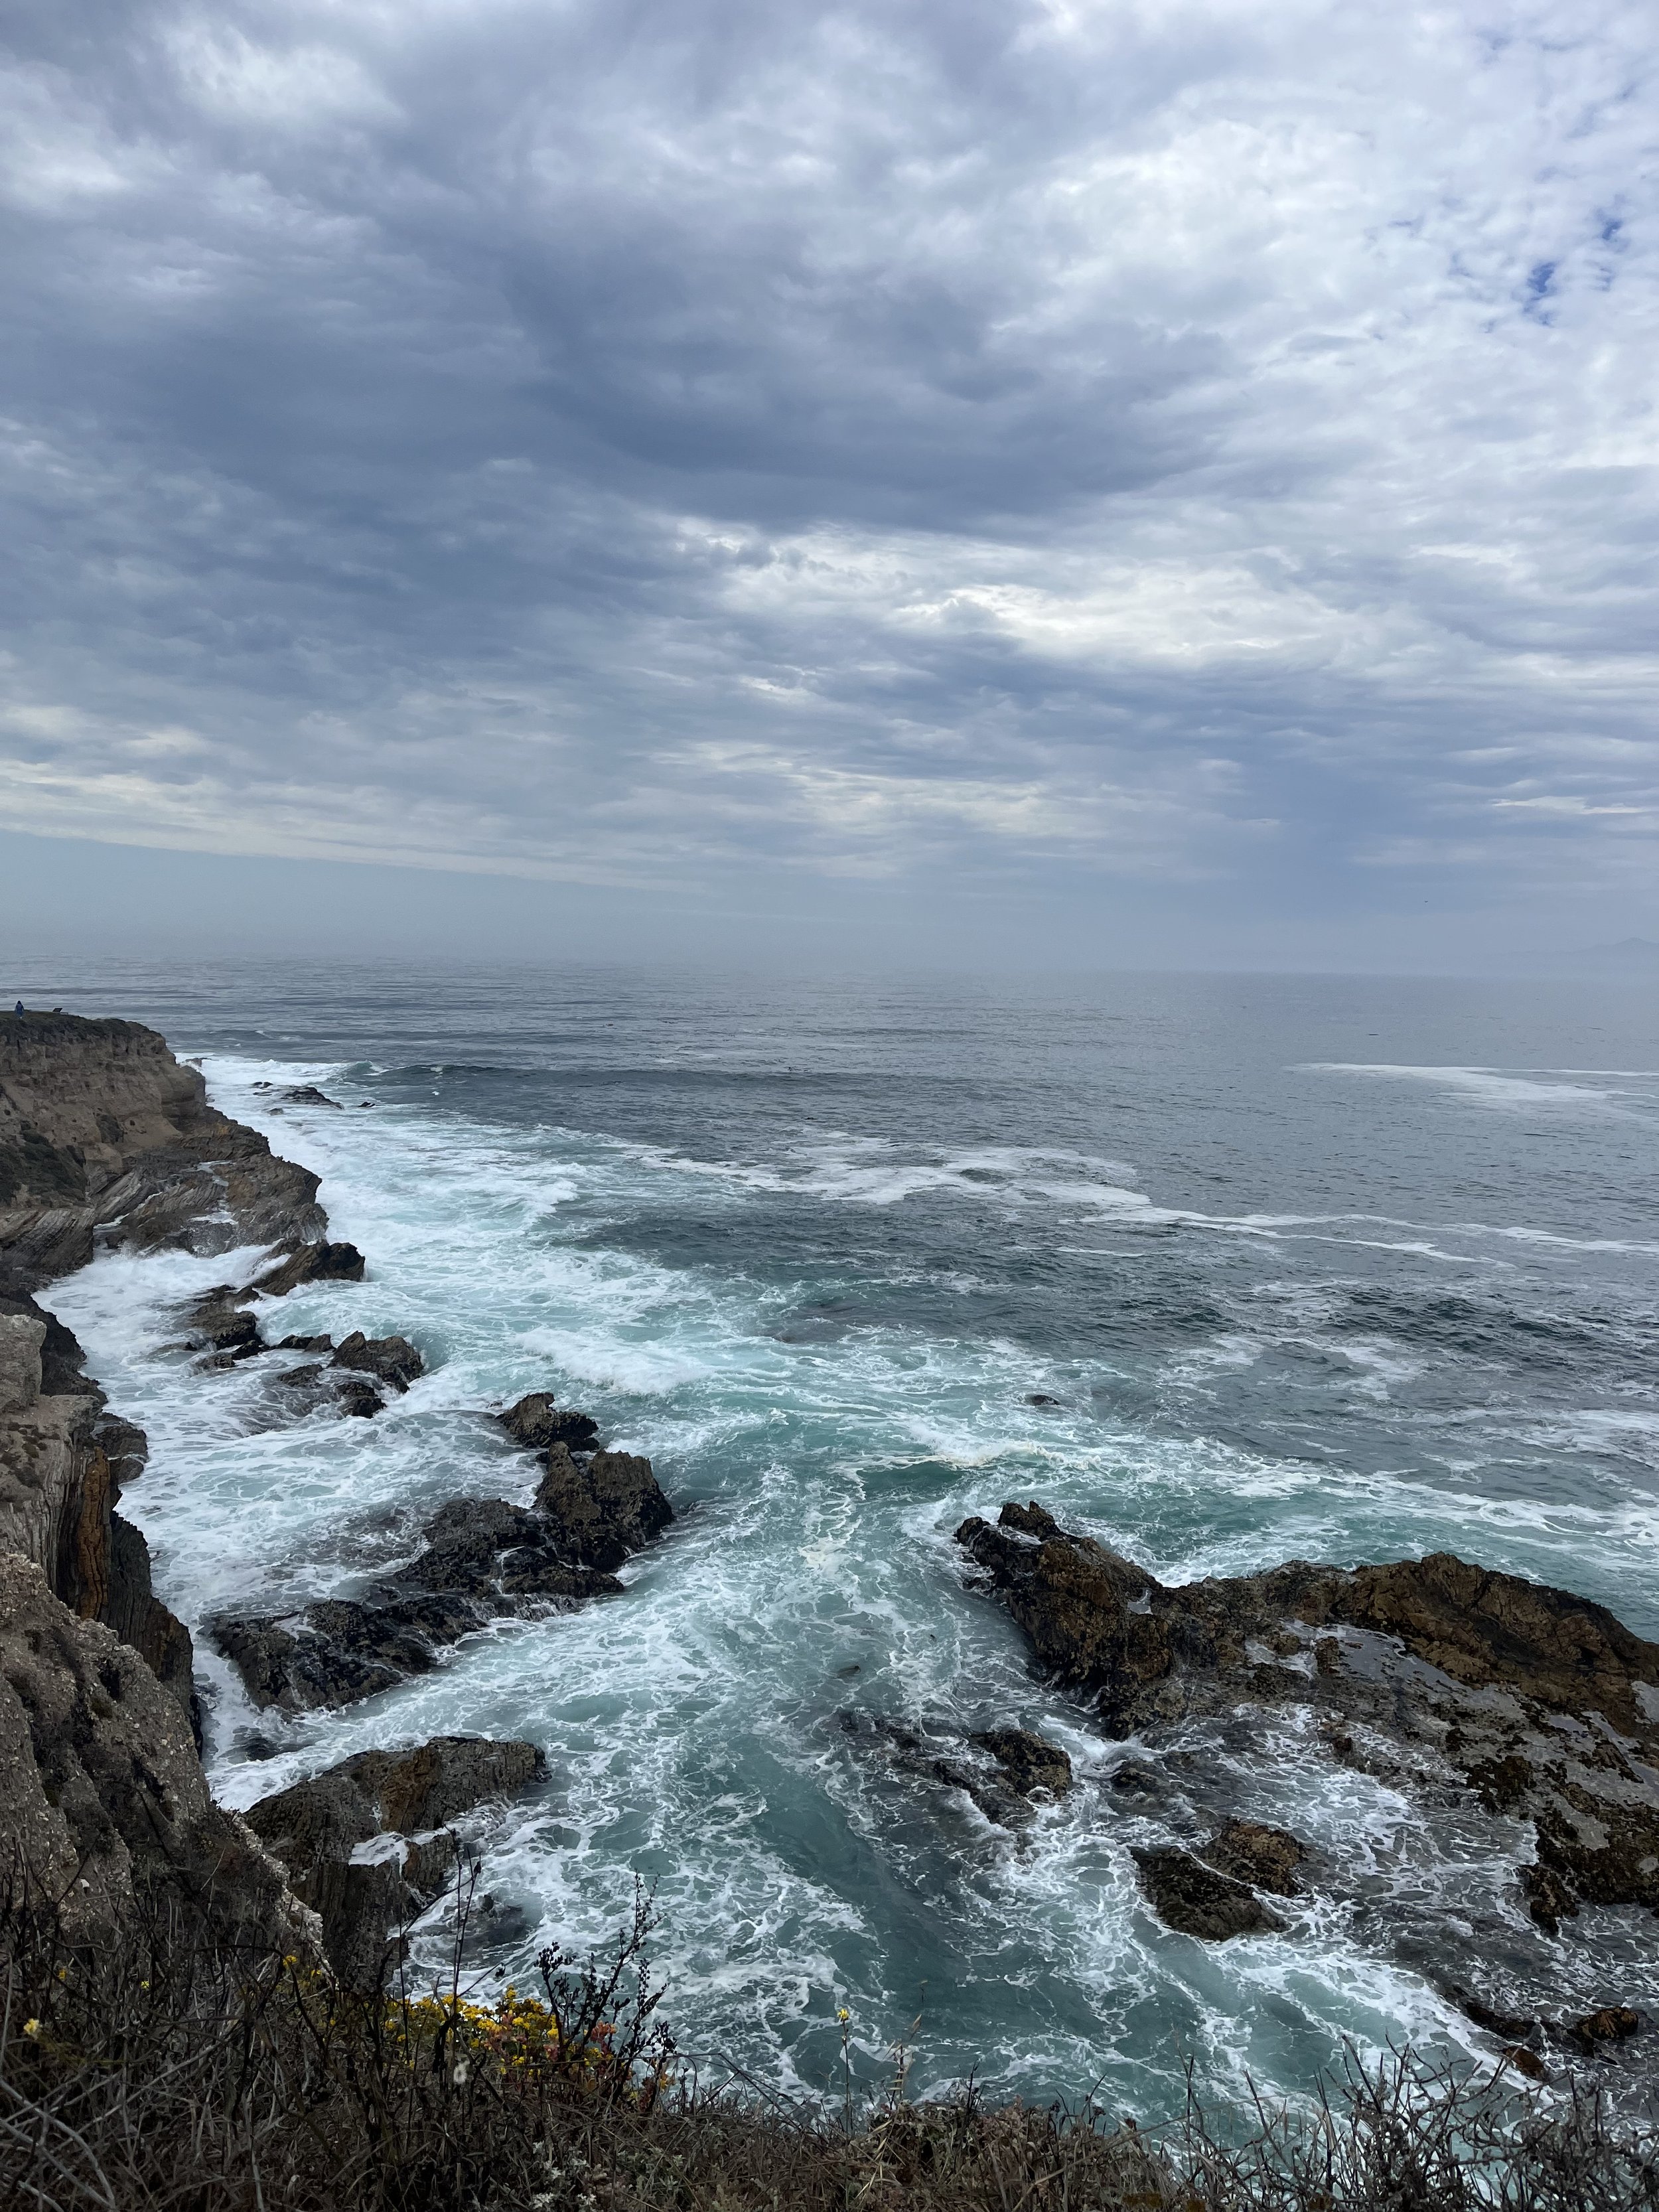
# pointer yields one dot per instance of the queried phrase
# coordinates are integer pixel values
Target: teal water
(1340, 1268)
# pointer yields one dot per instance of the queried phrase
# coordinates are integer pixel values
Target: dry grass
(160, 2076)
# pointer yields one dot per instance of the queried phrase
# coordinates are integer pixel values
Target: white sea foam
(690, 1725)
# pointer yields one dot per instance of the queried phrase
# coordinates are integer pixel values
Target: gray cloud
(1035, 451)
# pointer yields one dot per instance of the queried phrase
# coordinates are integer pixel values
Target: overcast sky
(1095, 479)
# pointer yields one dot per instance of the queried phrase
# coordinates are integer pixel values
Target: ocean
(1225, 1270)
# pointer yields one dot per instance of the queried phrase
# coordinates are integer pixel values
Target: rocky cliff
(105, 1137)
(1543, 1705)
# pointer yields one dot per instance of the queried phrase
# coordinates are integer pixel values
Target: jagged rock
(102, 1796)
(1266, 1858)
(1028, 1762)
(604, 1509)
(537, 1423)
(308, 1094)
(1194, 1898)
(326, 1832)
(394, 1360)
(350, 1396)
(59, 1487)
(102, 1130)
(483, 1560)
(124, 1446)
(319, 1263)
(1545, 1703)
(217, 1324)
(1596, 2031)
(305, 1344)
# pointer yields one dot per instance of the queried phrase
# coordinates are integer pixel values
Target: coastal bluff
(108, 1142)
(105, 1137)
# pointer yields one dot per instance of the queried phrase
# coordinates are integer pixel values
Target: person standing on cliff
(18, 1008)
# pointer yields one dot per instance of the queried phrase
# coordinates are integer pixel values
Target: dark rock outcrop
(538, 1424)
(313, 1386)
(1267, 1858)
(1030, 1763)
(602, 1509)
(1544, 1703)
(391, 1359)
(102, 1796)
(321, 1262)
(1193, 1898)
(483, 1560)
(370, 1840)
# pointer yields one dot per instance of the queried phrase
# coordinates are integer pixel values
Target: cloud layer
(1206, 446)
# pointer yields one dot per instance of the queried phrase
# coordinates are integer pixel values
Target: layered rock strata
(104, 1136)
(1543, 1705)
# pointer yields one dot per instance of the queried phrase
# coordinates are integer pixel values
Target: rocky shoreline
(107, 1143)
(1536, 1711)
(1526, 1706)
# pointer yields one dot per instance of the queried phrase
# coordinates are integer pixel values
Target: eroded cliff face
(104, 1137)
(103, 1801)
(62, 1457)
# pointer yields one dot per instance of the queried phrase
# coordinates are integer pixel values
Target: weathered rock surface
(62, 1459)
(1251, 1851)
(537, 1423)
(483, 1560)
(102, 1132)
(1543, 1704)
(369, 1840)
(1030, 1763)
(1193, 1898)
(603, 1509)
(391, 1359)
(102, 1796)
(321, 1262)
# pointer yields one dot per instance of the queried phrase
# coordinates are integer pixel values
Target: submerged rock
(1545, 1703)
(538, 1424)
(327, 1832)
(1000, 1770)
(1194, 1898)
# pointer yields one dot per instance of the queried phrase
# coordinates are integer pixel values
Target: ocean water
(1334, 1268)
